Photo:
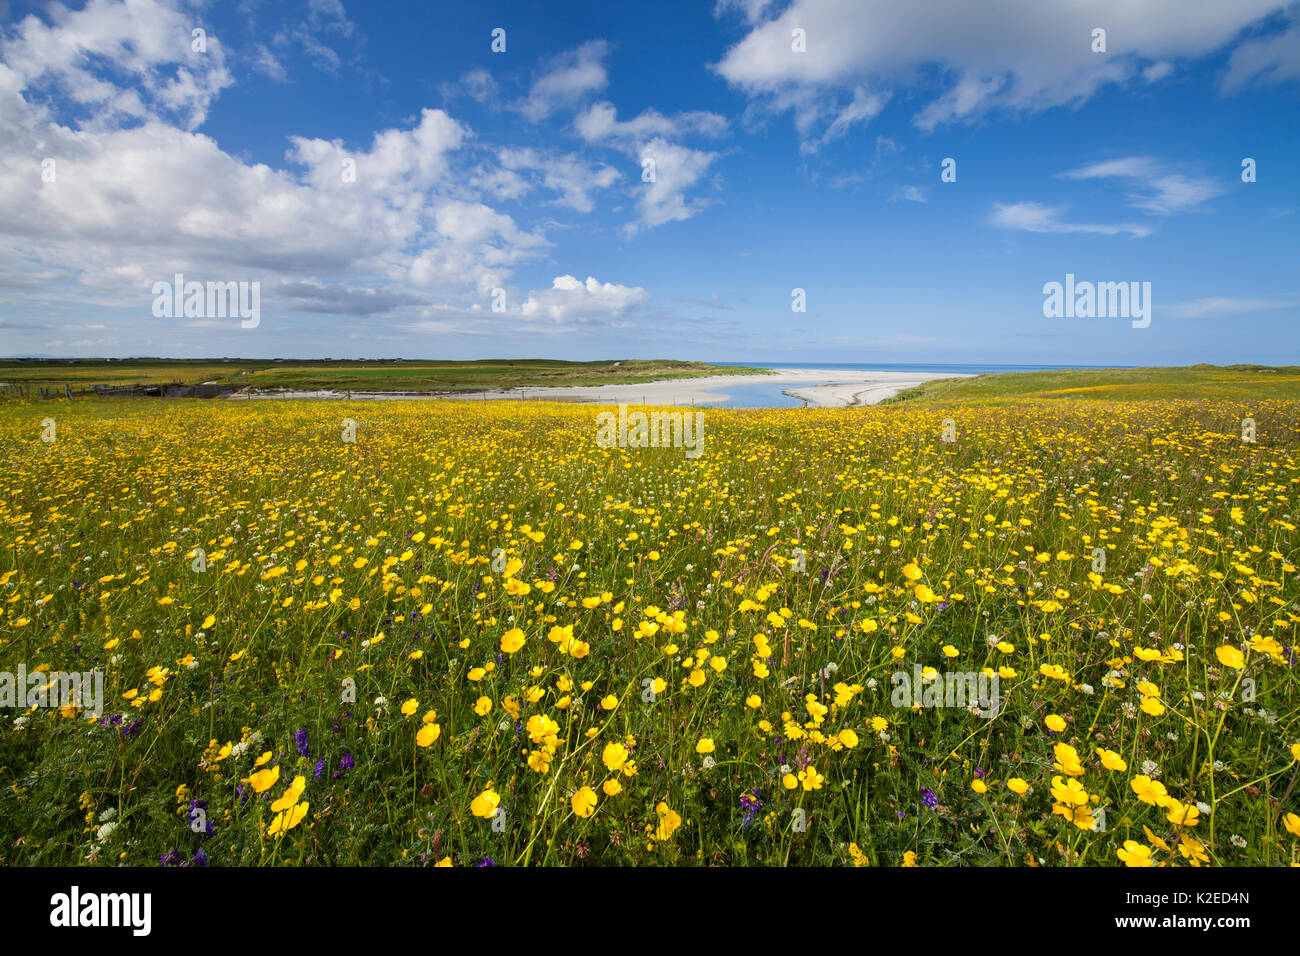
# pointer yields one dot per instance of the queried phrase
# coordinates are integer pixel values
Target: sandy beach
(819, 387)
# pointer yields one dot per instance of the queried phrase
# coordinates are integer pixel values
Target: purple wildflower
(750, 805)
(300, 738)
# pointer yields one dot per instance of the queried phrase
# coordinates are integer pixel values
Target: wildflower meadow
(1029, 633)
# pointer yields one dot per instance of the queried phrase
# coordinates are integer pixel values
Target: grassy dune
(1234, 382)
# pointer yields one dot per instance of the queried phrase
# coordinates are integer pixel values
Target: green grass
(379, 375)
(1230, 382)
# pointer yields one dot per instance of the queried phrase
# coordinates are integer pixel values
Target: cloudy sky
(652, 180)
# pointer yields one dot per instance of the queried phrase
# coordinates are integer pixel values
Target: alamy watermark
(638, 429)
(129, 910)
(976, 691)
(211, 300)
(53, 689)
(1098, 300)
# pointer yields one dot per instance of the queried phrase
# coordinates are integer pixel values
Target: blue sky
(517, 178)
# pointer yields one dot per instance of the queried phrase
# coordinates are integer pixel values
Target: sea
(771, 395)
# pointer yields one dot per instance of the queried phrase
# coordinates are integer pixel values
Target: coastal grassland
(1244, 383)
(472, 635)
(378, 376)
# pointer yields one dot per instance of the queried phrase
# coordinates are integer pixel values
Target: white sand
(819, 387)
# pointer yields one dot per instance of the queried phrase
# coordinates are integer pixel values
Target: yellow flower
(848, 738)
(704, 745)
(1292, 822)
(614, 756)
(409, 707)
(1151, 792)
(263, 780)
(979, 786)
(1069, 792)
(1067, 760)
(1230, 657)
(1182, 814)
(483, 706)
(1135, 854)
(1111, 760)
(911, 571)
(609, 702)
(669, 821)
(1017, 786)
(427, 734)
(1055, 722)
(512, 640)
(485, 804)
(291, 795)
(584, 802)
(811, 779)
(612, 787)
(287, 819)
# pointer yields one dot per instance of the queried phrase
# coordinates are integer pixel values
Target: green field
(1235, 382)
(392, 375)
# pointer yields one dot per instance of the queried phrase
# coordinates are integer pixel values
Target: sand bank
(820, 387)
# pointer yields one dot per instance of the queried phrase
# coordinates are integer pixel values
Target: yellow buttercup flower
(1136, 854)
(1230, 657)
(485, 804)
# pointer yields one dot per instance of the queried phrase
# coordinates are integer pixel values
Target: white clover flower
(108, 814)
(105, 832)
